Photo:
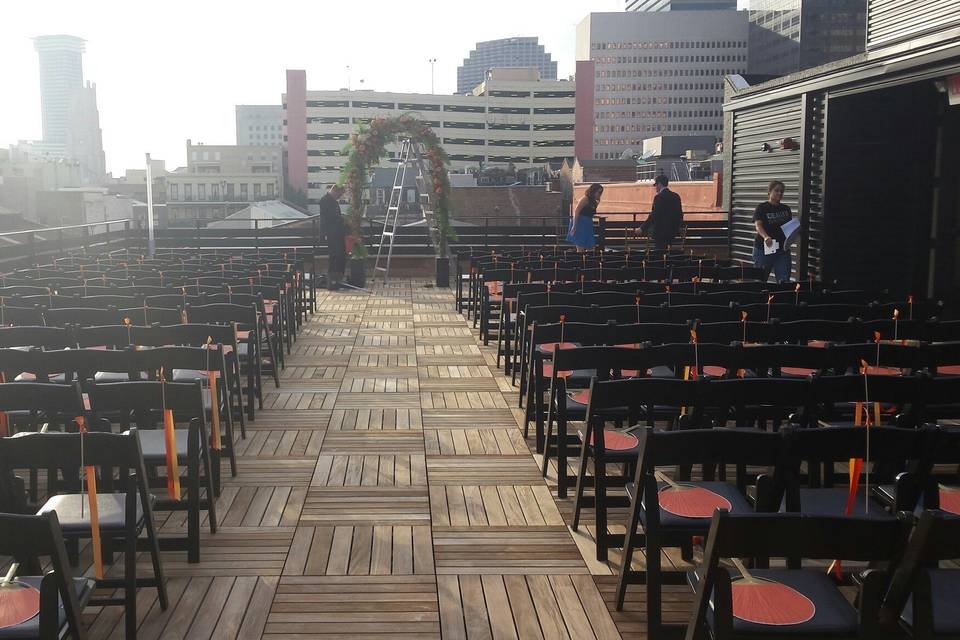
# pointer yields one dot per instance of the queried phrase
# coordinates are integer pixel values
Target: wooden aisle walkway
(386, 491)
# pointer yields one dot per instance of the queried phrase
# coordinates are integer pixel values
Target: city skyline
(221, 58)
(176, 78)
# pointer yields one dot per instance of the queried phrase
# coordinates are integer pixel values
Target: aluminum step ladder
(409, 155)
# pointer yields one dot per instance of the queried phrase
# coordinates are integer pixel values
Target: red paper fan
(716, 372)
(949, 370)
(798, 371)
(950, 499)
(18, 603)
(884, 371)
(629, 345)
(550, 347)
(583, 396)
(617, 440)
(690, 501)
(820, 344)
(548, 371)
(769, 603)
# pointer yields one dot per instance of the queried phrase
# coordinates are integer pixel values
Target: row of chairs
(127, 466)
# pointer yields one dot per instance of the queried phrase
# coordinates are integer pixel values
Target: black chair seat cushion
(945, 594)
(834, 617)
(738, 504)
(31, 628)
(73, 511)
(661, 371)
(154, 447)
(833, 502)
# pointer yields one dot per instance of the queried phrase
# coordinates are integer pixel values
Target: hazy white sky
(168, 71)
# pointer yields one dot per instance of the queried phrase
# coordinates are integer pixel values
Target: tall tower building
(61, 74)
(71, 121)
(680, 5)
(502, 54)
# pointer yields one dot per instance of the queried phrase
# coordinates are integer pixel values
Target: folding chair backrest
(194, 335)
(41, 397)
(222, 313)
(804, 331)
(652, 332)
(734, 331)
(145, 316)
(80, 317)
(36, 336)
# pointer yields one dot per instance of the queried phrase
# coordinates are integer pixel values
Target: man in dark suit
(666, 218)
(331, 223)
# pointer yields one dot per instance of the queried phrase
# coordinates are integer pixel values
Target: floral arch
(367, 148)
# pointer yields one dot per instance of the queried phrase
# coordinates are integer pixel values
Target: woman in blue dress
(581, 226)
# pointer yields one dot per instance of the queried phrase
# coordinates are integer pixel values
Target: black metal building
(869, 149)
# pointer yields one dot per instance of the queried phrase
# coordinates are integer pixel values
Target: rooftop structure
(512, 117)
(503, 53)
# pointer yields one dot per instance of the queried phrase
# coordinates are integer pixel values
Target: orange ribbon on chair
(170, 445)
(90, 475)
(4, 420)
(214, 400)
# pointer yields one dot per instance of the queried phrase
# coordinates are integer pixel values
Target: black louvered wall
(752, 169)
(816, 160)
(892, 21)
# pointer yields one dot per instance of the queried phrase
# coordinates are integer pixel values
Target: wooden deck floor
(386, 491)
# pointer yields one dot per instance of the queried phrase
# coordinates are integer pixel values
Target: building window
(328, 103)
(230, 191)
(510, 127)
(243, 192)
(463, 125)
(270, 193)
(174, 191)
(256, 191)
(415, 106)
(214, 192)
(188, 192)
(201, 192)
(511, 110)
(462, 108)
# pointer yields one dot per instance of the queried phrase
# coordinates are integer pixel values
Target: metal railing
(19, 248)
(38, 245)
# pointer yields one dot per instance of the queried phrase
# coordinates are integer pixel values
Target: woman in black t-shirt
(768, 218)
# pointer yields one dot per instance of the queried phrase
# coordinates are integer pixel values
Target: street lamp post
(433, 61)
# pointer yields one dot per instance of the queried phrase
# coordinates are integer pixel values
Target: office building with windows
(787, 36)
(680, 5)
(259, 125)
(512, 117)
(220, 180)
(647, 74)
(502, 54)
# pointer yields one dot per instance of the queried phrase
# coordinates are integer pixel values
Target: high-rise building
(787, 36)
(71, 121)
(61, 74)
(259, 125)
(680, 5)
(647, 74)
(502, 54)
(511, 118)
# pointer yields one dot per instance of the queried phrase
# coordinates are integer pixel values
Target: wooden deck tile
(483, 470)
(370, 470)
(355, 606)
(466, 441)
(506, 550)
(517, 606)
(366, 505)
(375, 419)
(363, 550)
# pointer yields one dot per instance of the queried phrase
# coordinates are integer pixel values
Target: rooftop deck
(386, 491)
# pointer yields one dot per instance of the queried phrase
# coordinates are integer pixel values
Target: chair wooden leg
(628, 547)
(581, 479)
(130, 586)
(600, 502)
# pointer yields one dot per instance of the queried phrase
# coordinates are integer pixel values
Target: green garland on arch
(368, 146)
